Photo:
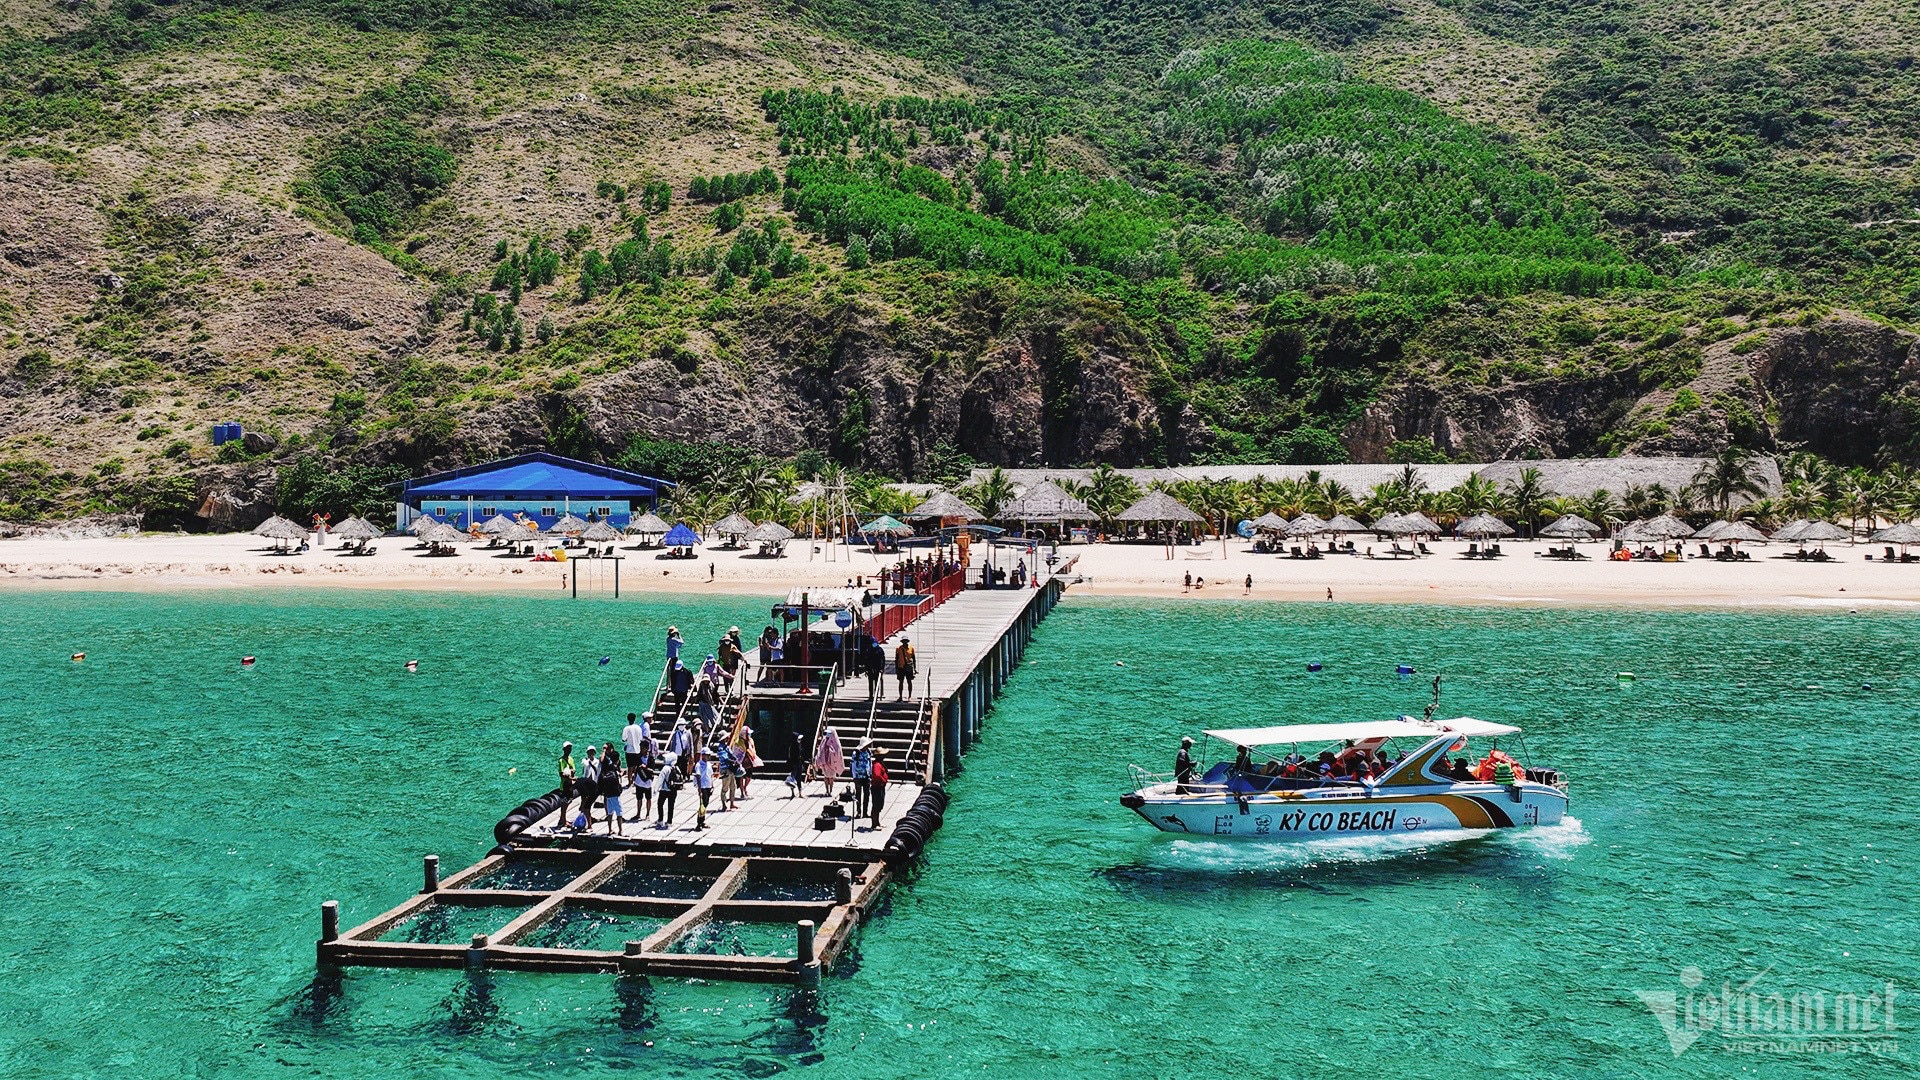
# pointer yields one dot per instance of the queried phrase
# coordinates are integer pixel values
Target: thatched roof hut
(648, 524)
(943, 505)
(1569, 526)
(1046, 502)
(1158, 506)
(733, 526)
(599, 532)
(1481, 526)
(1306, 525)
(1270, 522)
(357, 528)
(279, 528)
(771, 532)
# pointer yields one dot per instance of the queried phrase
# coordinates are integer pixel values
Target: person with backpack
(665, 784)
(862, 771)
(612, 783)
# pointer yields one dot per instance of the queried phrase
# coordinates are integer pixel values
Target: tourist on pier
(588, 782)
(829, 759)
(903, 668)
(674, 644)
(680, 682)
(680, 745)
(1183, 765)
(796, 764)
(567, 773)
(723, 764)
(634, 737)
(707, 702)
(877, 785)
(640, 776)
(874, 656)
(611, 785)
(703, 780)
(665, 785)
(862, 771)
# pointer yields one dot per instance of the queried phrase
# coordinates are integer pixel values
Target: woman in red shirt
(877, 783)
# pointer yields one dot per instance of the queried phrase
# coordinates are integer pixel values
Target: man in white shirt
(635, 739)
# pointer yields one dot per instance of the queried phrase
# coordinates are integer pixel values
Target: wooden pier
(764, 891)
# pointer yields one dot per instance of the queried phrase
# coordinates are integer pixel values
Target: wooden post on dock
(330, 920)
(477, 955)
(430, 874)
(843, 886)
(809, 964)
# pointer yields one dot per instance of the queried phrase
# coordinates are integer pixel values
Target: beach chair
(1422, 545)
(1295, 554)
(1493, 551)
(1706, 552)
(1890, 555)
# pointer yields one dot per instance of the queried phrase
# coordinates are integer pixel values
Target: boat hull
(1317, 815)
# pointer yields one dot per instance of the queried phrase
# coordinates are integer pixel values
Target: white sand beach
(1521, 577)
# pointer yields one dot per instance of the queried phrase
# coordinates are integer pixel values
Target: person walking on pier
(588, 782)
(703, 779)
(680, 746)
(877, 785)
(567, 773)
(635, 738)
(611, 785)
(674, 644)
(640, 777)
(903, 663)
(664, 787)
(680, 681)
(875, 658)
(862, 772)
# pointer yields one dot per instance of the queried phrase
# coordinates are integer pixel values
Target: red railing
(897, 617)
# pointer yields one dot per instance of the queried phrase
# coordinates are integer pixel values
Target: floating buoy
(1313, 665)
(1626, 676)
(79, 656)
(1866, 686)
(246, 661)
(1119, 663)
(413, 665)
(513, 770)
(605, 660)
(1403, 669)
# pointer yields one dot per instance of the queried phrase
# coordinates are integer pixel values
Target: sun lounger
(1423, 547)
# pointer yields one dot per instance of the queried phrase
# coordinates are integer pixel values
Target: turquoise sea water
(170, 824)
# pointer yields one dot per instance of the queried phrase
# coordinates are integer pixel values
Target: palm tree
(1108, 492)
(1477, 495)
(992, 492)
(1528, 495)
(1727, 476)
(1601, 508)
(1336, 498)
(1799, 499)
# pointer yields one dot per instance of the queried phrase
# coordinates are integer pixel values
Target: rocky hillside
(396, 234)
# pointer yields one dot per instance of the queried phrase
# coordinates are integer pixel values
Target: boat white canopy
(1359, 731)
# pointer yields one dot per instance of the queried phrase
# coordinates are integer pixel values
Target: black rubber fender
(517, 822)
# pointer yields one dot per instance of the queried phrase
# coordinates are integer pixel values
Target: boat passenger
(1243, 760)
(1461, 771)
(1183, 765)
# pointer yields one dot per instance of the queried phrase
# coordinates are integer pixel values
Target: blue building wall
(615, 512)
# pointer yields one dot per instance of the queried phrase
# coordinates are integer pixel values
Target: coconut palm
(1601, 508)
(1527, 495)
(1476, 495)
(1108, 492)
(1336, 499)
(1727, 476)
(992, 492)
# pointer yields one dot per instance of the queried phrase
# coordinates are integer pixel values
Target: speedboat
(1312, 794)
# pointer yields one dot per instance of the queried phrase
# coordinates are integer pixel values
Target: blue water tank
(219, 434)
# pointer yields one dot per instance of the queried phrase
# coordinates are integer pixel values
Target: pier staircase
(904, 728)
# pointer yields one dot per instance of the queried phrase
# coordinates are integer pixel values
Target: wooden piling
(431, 874)
(330, 920)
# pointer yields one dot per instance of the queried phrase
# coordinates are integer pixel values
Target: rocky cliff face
(878, 391)
(1846, 388)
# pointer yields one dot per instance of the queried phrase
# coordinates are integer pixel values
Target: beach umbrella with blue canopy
(680, 536)
(887, 525)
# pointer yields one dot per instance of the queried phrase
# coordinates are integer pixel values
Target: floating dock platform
(764, 892)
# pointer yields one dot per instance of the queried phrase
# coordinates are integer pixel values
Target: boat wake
(1228, 856)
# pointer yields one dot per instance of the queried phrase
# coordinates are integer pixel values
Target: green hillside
(399, 233)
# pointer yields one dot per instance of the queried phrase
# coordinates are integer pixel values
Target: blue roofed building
(542, 487)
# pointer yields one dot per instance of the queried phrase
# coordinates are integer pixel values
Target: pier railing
(897, 617)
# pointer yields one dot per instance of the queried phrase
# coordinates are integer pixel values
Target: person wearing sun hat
(878, 784)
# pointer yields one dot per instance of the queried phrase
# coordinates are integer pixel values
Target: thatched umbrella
(943, 505)
(1341, 523)
(599, 532)
(1046, 501)
(1306, 525)
(497, 524)
(733, 526)
(1666, 527)
(1270, 522)
(1790, 532)
(771, 532)
(279, 528)
(571, 523)
(422, 524)
(1481, 526)
(357, 528)
(887, 525)
(1739, 532)
(808, 492)
(516, 533)
(1428, 525)
(1158, 506)
(1711, 530)
(648, 524)
(443, 533)
(1571, 526)
(1902, 534)
(1818, 532)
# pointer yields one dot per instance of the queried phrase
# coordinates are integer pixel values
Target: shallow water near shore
(1742, 810)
